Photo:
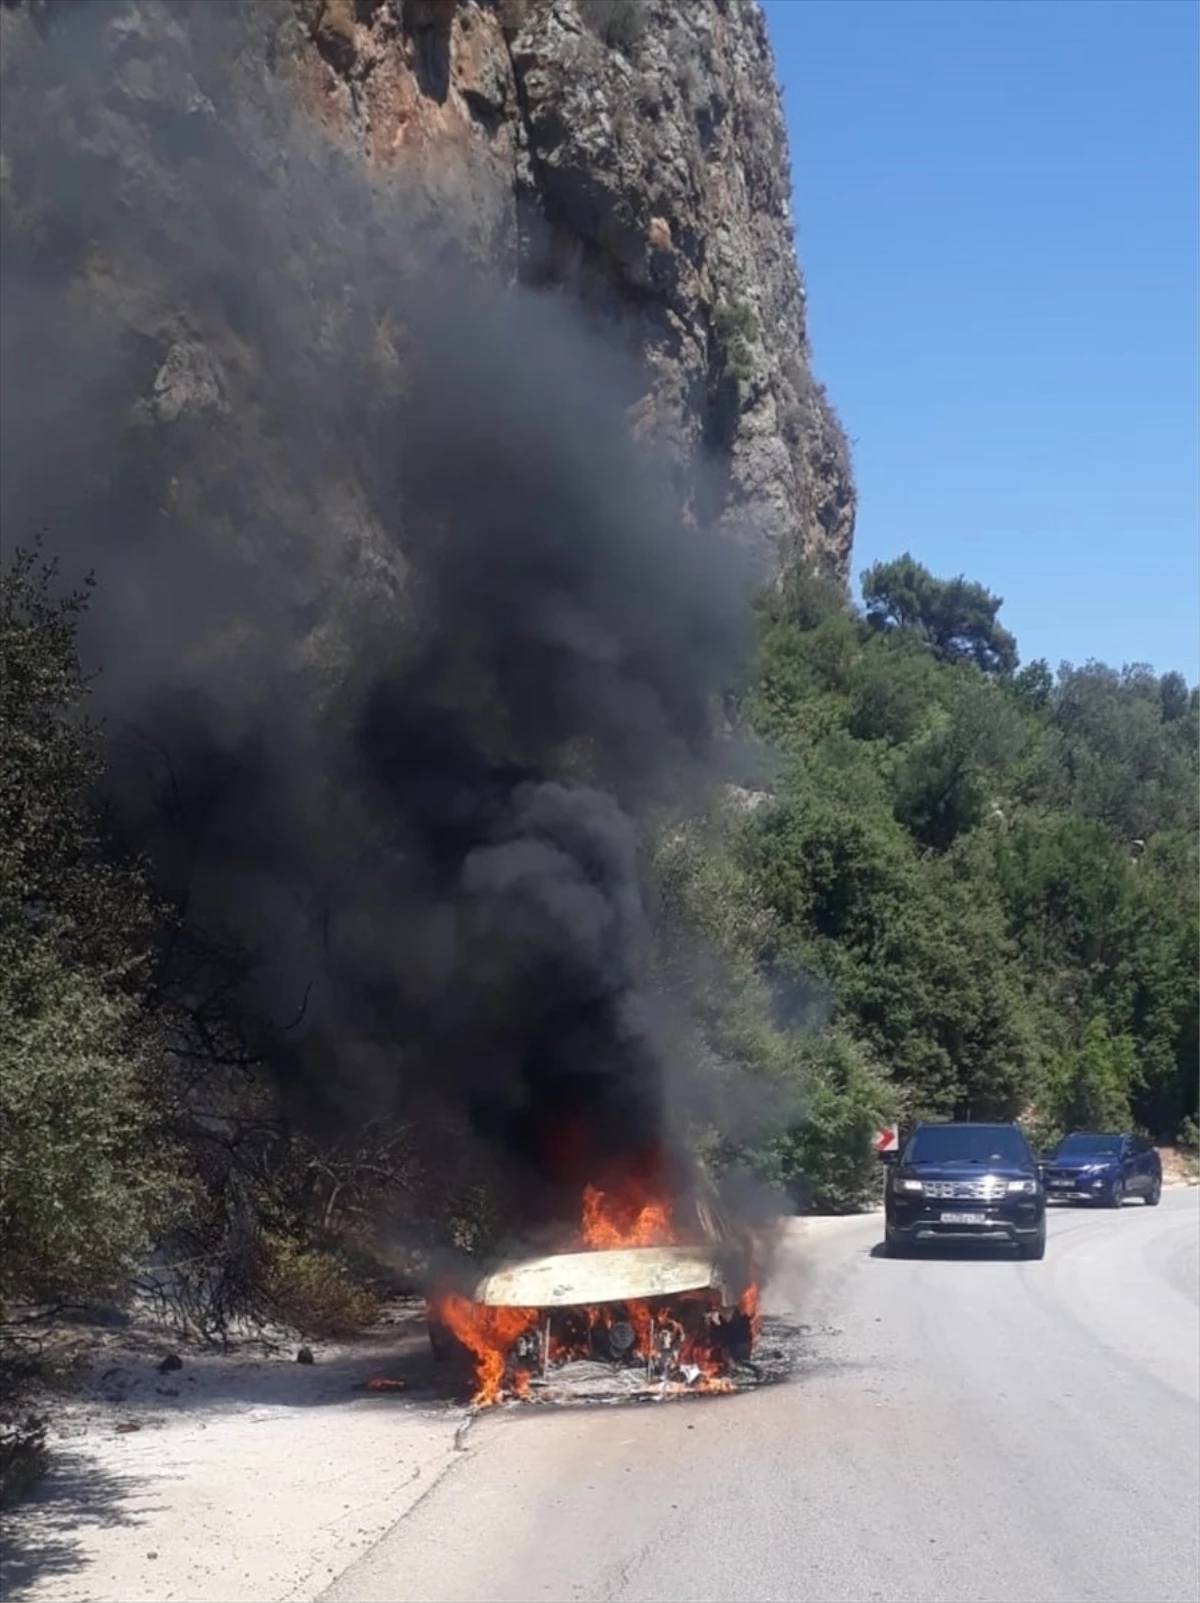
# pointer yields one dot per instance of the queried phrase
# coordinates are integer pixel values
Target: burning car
(635, 1310)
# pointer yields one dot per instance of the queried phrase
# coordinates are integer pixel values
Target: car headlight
(1022, 1188)
(913, 1187)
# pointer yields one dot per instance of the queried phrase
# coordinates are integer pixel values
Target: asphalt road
(967, 1428)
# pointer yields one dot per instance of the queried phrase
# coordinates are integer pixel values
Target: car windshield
(1089, 1146)
(968, 1144)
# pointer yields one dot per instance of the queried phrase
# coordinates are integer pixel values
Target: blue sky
(997, 217)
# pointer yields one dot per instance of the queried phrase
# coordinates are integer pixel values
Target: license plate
(963, 1219)
(1062, 1185)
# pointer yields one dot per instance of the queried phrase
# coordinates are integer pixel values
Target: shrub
(83, 1175)
(736, 327)
(83, 1185)
(828, 1162)
(310, 1289)
(620, 23)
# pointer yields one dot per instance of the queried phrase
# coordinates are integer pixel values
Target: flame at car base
(681, 1342)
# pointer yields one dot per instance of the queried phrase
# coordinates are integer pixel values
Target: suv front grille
(989, 1189)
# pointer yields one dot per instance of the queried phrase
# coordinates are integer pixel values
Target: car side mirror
(888, 1157)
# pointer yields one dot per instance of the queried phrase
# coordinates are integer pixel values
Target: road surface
(967, 1428)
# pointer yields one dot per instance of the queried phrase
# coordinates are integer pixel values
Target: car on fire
(642, 1310)
(979, 1181)
(1090, 1166)
(670, 1310)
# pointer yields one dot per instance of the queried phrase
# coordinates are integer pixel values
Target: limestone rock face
(633, 152)
(628, 154)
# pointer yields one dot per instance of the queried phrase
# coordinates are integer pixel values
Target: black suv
(977, 1180)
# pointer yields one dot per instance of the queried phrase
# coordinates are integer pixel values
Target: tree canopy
(997, 870)
(956, 619)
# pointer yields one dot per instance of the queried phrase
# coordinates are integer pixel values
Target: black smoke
(402, 640)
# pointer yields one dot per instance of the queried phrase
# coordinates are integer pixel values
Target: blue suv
(1091, 1167)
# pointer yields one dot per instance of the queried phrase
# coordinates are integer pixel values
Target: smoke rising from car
(402, 639)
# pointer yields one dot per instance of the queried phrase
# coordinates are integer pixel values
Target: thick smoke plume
(401, 638)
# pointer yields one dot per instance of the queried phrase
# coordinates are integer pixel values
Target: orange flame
(489, 1333)
(634, 1217)
(748, 1305)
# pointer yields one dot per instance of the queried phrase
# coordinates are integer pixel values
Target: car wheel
(1154, 1195)
(895, 1246)
(1036, 1248)
(1116, 1194)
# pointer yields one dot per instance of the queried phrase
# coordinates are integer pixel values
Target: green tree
(896, 692)
(826, 1159)
(83, 1177)
(943, 782)
(979, 863)
(958, 620)
(918, 960)
(1033, 685)
(1065, 885)
(1113, 755)
(1156, 986)
(1091, 1085)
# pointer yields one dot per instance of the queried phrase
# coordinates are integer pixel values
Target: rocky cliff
(634, 153)
(630, 154)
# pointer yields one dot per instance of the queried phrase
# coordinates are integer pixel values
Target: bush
(83, 1184)
(736, 327)
(310, 1289)
(83, 1175)
(1091, 1085)
(828, 1162)
(620, 23)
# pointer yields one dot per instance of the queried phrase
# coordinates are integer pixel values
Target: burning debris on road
(631, 1310)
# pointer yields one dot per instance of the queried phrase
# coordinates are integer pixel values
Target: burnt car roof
(578, 1279)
